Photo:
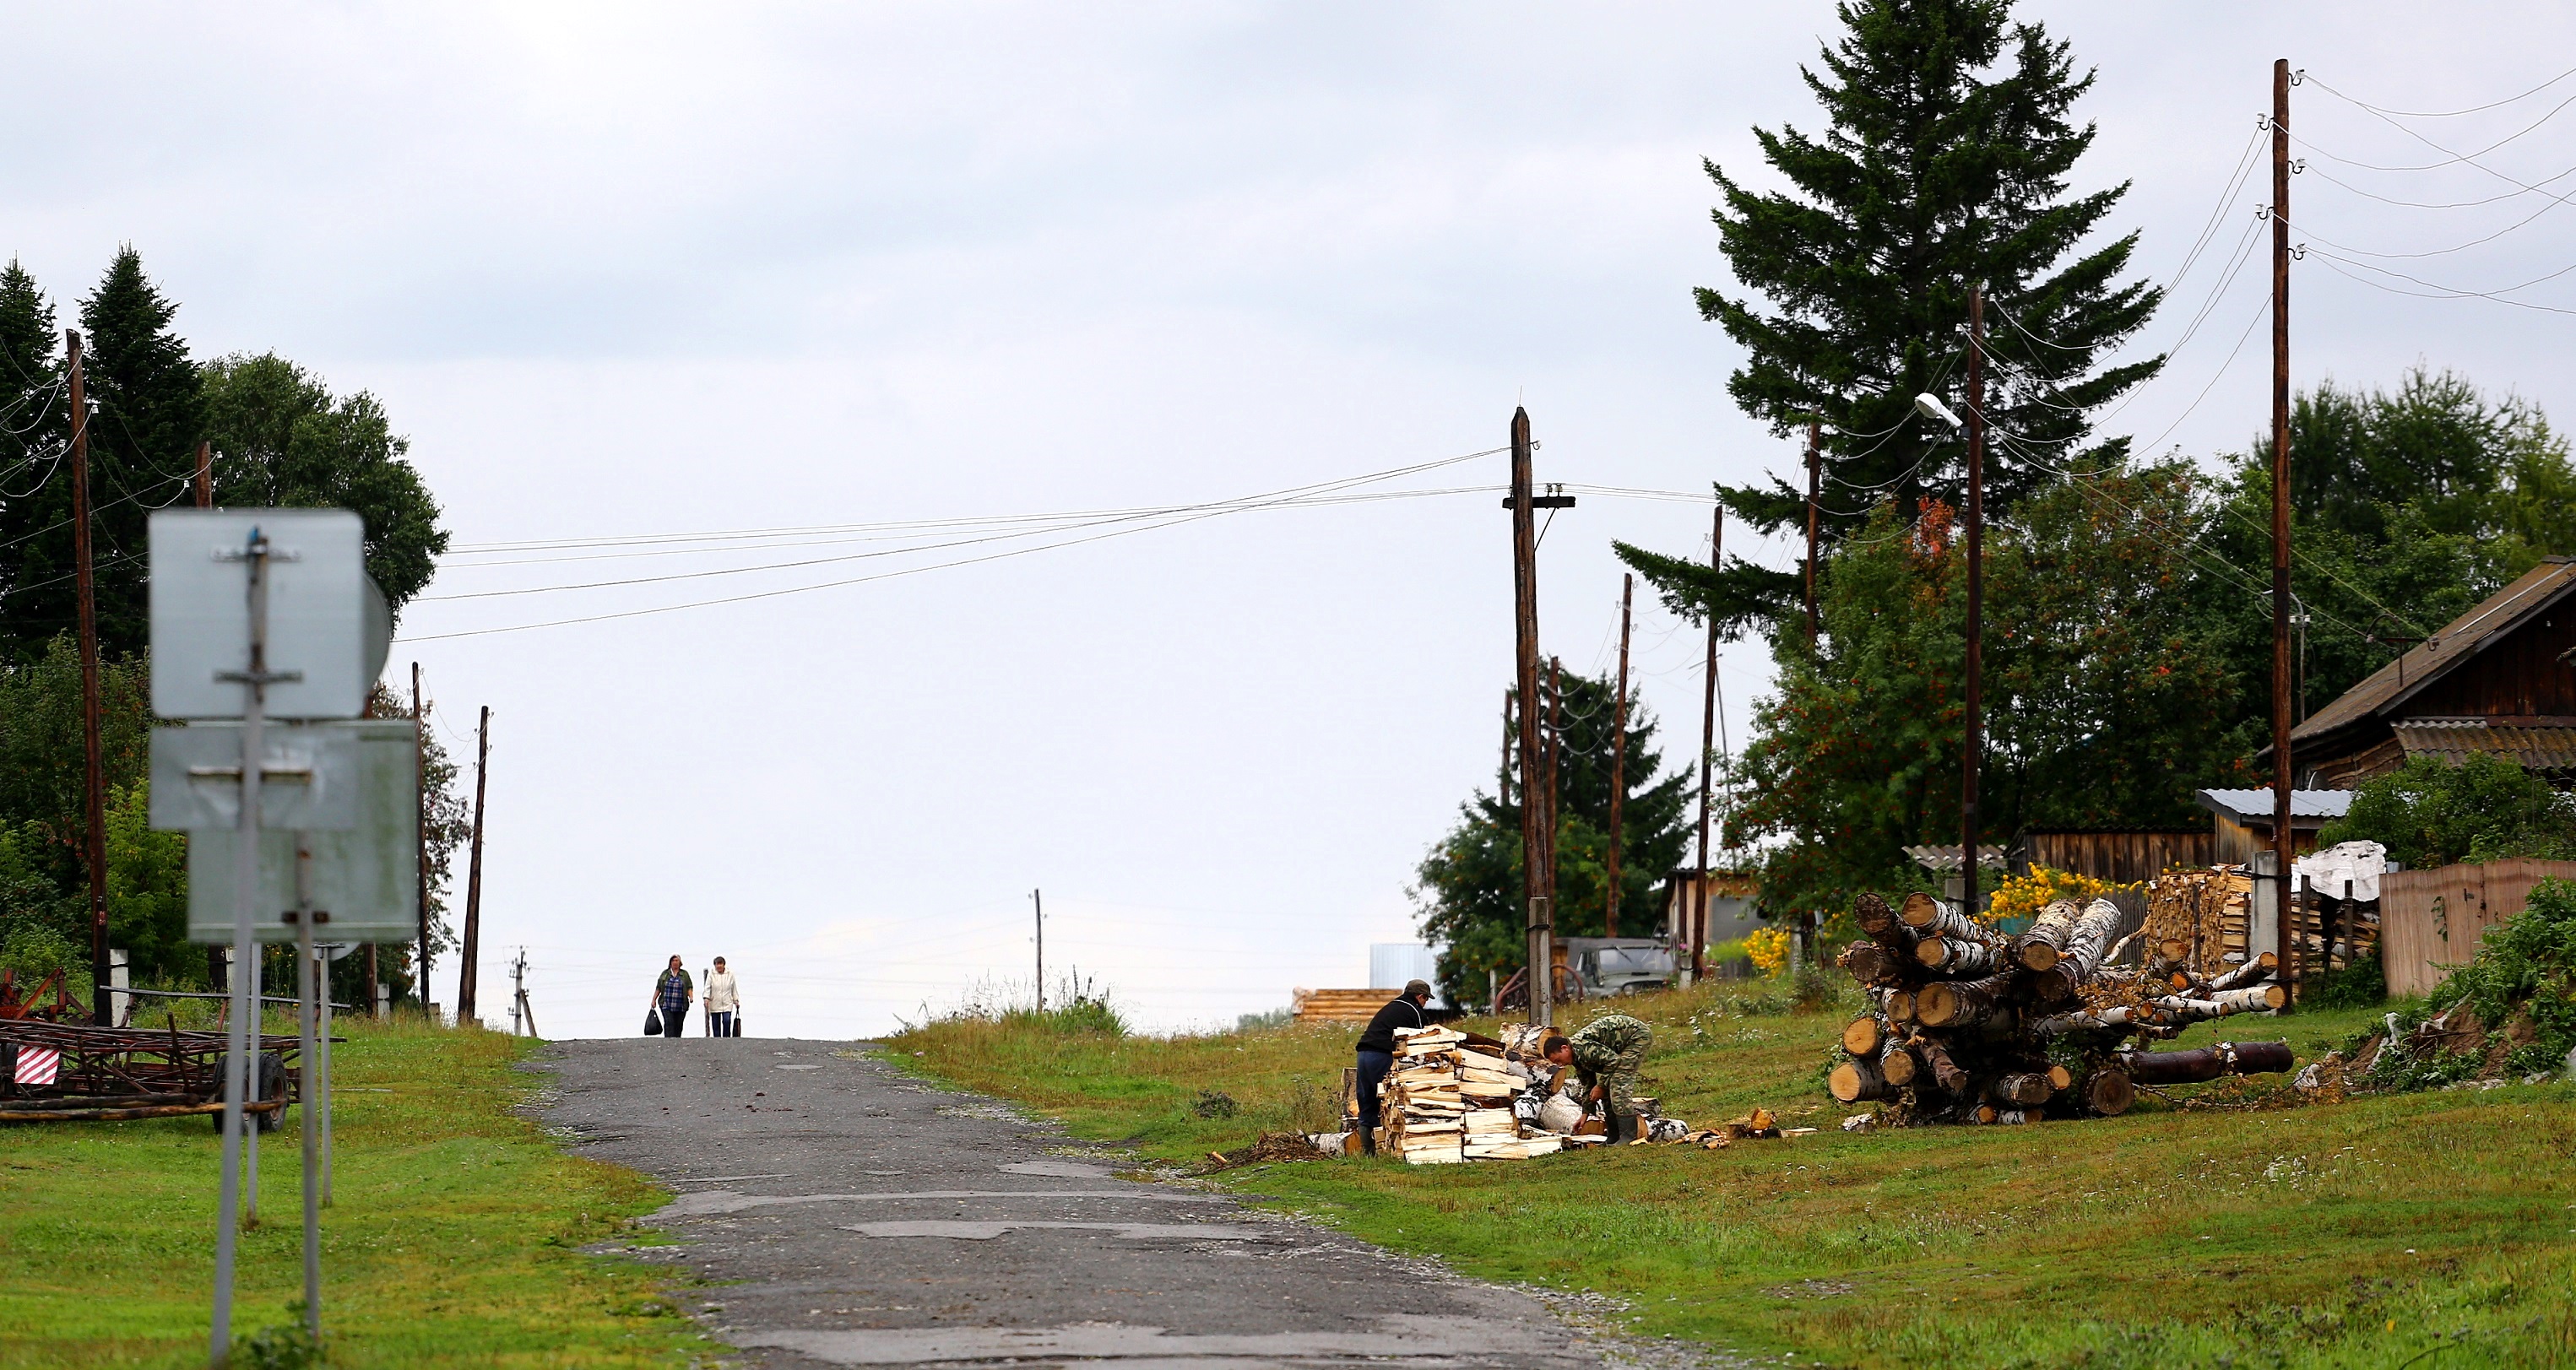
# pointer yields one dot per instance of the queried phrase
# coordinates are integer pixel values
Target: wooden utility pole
(1540, 924)
(94, 789)
(1038, 898)
(420, 830)
(1815, 493)
(205, 475)
(2287, 951)
(1618, 756)
(1973, 747)
(474, 879)
(1503, 784)
(1698, 905)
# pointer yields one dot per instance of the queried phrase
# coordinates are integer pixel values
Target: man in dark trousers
(1377, 1052)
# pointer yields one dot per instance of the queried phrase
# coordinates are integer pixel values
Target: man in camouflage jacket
(1607, 1053)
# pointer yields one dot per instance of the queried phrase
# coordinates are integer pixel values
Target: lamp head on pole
(1931, 407)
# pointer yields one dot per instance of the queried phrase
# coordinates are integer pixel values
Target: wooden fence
(2431, 921)
(2123, 858)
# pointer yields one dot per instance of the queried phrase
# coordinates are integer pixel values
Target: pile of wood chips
(1446, 1102)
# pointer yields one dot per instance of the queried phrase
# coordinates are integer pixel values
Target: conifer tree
(143, 434)
(31, 439)
(1932, 176)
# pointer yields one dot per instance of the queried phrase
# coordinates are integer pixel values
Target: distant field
(2433, 1230)
(453, 1242)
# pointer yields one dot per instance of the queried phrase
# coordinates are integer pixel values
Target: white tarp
(2360, 863)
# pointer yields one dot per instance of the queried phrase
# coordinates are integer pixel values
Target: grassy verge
(2434, 1230)
(453, 1240)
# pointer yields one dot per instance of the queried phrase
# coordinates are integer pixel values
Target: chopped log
(2109, 1092)
(1984, 1114)
(2060, 1077)
(1881, 925)
(1864, 1036)
(1853, 1081)
(1958, 958)
(1900, 1006)
(2024, 1089)
(2208, 1063)
(1871, 964)
(2044, 945)
(2252, 999)
(1960, 1003)
(1929, 917)
(1945, 1072)
(1897, 1062)
(2253, 972)
(2086, 946)
(2094, 1021)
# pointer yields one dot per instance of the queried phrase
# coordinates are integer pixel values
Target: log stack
(1968, 1025)
(1447, 1102)
(2201, 918)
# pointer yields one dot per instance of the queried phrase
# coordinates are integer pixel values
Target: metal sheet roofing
(2255, 806)
(1948, 858)
(2452, 739)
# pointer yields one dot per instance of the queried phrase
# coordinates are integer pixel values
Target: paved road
(847, 1216)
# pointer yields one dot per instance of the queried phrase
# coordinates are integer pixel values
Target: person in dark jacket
(672, 994)
(1377, 1052)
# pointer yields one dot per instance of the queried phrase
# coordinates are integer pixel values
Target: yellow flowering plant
(2023, 896)
(1769, 948)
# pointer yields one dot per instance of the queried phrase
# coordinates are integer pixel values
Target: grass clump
(454, 1240)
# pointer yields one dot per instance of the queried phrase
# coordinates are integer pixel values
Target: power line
(2448, 113)
(2451, 158)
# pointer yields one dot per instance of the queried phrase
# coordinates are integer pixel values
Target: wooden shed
(2120, 857)
(2431, 921)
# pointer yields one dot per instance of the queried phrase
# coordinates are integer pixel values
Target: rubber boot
(1368, 1141)
(1623, 1127)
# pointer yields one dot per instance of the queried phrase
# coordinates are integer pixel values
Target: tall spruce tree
(143, 431)
(1931, 177)
(31, 428)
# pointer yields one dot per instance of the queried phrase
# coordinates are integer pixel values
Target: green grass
(2437, 1230)
(453, 1240)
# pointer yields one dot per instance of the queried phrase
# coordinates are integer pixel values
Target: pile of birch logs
(1446, 1102)
(1968, 1025)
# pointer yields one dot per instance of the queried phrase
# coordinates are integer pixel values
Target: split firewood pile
(1968, 1025)
(2210, 911)
(1448, 1101)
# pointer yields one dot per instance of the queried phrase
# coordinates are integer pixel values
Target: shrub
(2527, 963)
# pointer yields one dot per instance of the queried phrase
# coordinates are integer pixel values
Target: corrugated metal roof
(2539, 749)
(1948, 858)
(2255, 806)
(2435, 656)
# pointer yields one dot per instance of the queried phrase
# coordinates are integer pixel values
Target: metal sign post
(254, 682)
(330, 626)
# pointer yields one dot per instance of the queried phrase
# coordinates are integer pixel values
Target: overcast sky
(639, 270)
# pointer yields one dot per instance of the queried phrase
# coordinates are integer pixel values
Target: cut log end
(1864, 1037)
(2276, 996)
(1920, 910)
(2059, 1077)
(1898, 1065)
(2034, 954)
(1853, 1081)
(2109, 1093)
(1900, 1006)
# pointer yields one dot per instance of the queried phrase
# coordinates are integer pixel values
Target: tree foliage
(280, 436)
(282, 439)
(2097, 688)
(2430, 812)
(1470, 887)
(1946, 162)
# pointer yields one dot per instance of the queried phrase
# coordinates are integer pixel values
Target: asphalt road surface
(842, 1214)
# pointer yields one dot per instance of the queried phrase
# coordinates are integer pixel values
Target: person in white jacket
(724, 1002)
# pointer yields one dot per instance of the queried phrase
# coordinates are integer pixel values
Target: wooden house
(2500, 678)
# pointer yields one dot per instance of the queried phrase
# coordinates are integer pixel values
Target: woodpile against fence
(1968, 1025)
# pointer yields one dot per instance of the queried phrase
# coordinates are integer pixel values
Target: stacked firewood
(1446, 1101)
(1969, 1025)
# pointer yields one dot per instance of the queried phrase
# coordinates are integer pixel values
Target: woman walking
(672, 995)
(724, 1001)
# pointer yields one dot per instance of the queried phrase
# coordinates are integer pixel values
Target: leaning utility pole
(473, 879)
(94, 789)
(518, 988)
(1038, 897)
(2287, 951)
(1973, 749)
(1540, 924)
(1618, 757)
(1815, 493)
(1698, 906)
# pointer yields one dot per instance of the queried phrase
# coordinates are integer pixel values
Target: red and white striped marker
(36, 1065)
